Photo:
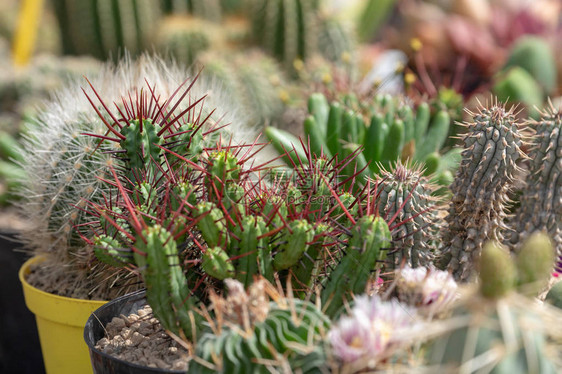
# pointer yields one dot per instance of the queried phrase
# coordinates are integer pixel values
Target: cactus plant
(210, 10)
(495, 337)
(542, 188)
(295, 30)
(104, 28)
(535, 55)
(287, 29)
(64, 168)
(183, 38)
(492, 146)
(387, 132)
(496, 329)
(407, 193)
(252, 334)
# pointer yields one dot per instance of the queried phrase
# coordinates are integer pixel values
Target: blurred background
(272, 54)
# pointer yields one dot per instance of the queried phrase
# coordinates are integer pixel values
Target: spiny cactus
(103, 28)
(492, 147)
(335, 42)
(541, 201)
(249, 333)
(369, 240)
(406, 193)
(65, 168)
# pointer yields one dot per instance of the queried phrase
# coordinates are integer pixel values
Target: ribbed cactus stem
(541, 201)
(287, 29)
(157, 258)
(365, 249)
(492, 146)
(255, 335)
(404, 192)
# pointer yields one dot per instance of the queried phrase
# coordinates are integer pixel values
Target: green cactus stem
(365, 249)
(103, 28)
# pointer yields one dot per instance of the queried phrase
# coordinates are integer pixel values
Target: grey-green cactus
(492, 147)
(541, 201)
(407, 194)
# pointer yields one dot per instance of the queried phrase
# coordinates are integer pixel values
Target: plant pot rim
(135, 298)
(48, 305)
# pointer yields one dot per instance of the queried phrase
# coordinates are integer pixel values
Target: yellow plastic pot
(60, 321)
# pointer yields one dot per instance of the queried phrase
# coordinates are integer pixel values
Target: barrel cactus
(65, 167)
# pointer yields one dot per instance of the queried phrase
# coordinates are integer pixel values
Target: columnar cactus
(207, 9)
(406, 193)
(541, 199)
(287, 29)
(369, 240)
(103, 28)
(492, 146)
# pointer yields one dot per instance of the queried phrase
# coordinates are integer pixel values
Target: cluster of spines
(492, 148)
(541, 200)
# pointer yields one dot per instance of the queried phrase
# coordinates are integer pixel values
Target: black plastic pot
(103, 363)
